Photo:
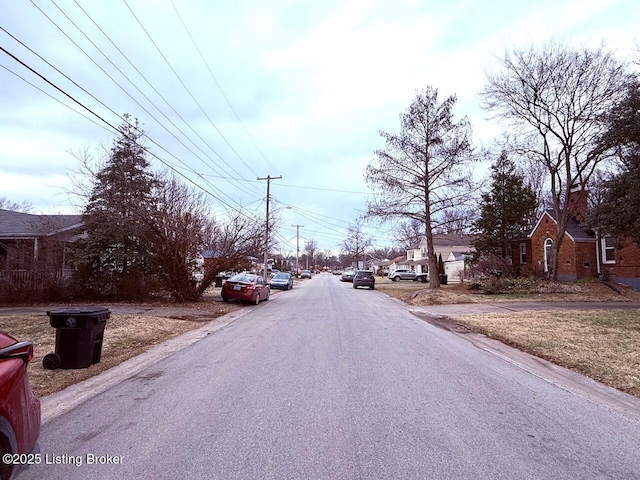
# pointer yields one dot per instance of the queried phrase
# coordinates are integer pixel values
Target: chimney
(578, 203)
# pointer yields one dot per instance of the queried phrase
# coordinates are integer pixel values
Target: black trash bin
(79, 335)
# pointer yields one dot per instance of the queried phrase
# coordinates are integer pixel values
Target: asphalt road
(329, 382)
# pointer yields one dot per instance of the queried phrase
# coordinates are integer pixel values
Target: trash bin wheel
(51, 361)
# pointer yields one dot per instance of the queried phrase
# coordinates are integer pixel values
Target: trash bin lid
(82, 316)
(79, 311)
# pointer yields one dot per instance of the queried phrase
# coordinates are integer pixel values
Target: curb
(56, 404)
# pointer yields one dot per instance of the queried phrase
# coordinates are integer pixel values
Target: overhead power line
(187, 88)
(127, 93)
(116, 130)
(215, 80)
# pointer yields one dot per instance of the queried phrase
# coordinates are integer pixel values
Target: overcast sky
(229, 91)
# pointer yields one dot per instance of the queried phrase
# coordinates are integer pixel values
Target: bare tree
(422, 172)
(310, 248)
(409, 233)
(23, 207)
(556, 98)
(354, 246)
(178, 231)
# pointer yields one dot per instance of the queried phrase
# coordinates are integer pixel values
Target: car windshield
(281, 276)
(241, 278)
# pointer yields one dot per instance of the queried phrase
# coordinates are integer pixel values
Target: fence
(33, 280)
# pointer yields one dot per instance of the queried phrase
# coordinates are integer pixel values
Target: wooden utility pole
(268, 178)
(297, 244)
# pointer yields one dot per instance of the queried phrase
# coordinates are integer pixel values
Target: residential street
(329, 382)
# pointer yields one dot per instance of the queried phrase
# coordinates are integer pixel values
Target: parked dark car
(282, 281)
(364, 278)
(305, 274)
(245, 287)
(347, 275)
(19, 407)
(402, 274)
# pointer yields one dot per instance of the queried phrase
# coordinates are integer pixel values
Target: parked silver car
(402, 274)
(282, 280)
(347, 275)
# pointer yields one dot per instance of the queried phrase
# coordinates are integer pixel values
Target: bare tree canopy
(422, 174)
(353, 247)
(557, 99)
(24, 206)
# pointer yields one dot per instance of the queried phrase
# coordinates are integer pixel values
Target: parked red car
(19, 407)
(245, 287)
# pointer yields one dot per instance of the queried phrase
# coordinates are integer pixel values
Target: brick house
(583, 252)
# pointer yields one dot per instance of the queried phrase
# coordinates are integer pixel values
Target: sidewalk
(454, 310)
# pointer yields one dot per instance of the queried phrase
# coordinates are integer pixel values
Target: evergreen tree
(617, 213)
(505, 211)
(112, 259)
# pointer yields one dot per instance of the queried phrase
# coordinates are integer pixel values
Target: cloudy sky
(229, 91)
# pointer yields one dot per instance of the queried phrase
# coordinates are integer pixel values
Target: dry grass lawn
(601, 344)
(415, 293)
(125, 336)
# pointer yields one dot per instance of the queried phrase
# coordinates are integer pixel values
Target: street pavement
(325, 381)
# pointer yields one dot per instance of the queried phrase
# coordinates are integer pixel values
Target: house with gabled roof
(583, 253)
(454, 249)
(31, 242)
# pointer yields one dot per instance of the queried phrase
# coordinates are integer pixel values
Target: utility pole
(268, 178)
(297, 244)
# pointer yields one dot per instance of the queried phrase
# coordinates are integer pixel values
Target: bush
(490, 266)
(493, 285)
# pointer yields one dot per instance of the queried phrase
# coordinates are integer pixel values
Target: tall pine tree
(505, 211)
(112, 260)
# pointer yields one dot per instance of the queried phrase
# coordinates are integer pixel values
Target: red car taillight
(23, 350)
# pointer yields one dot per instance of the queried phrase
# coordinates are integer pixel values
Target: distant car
(347, 275)
(337, 271)
(364, 278)
(282, 280)
(245, 287)
(305, 274)
(402, 274)
(19, 408)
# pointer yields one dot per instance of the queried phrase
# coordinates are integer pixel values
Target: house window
(548, 246)
(608, 253)
(523, 253)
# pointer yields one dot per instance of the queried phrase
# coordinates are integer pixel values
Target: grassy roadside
(601, 344)
(125, 336)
